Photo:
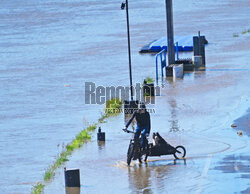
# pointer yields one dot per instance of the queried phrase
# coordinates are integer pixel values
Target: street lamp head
(123, 5)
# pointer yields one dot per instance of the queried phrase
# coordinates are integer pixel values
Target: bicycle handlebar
(127, 131)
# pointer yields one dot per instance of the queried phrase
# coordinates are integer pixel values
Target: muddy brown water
(48, 45)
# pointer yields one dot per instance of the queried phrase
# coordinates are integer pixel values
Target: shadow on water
(184, 162)
(143, 178)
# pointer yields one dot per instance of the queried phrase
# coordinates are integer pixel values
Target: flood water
(50, 48)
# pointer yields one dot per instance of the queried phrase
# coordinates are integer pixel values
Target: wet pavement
(48, 45)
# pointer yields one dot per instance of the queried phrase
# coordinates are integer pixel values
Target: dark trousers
(144, 131)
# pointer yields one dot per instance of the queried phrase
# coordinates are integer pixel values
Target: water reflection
(72, 190)
(199, 72)
(173, 120)
(101, 145)
(152, 176)
(143, 178)
(140, 178)
(201, 69)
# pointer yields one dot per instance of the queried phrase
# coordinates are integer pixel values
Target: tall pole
(170, 32)
(129, 52)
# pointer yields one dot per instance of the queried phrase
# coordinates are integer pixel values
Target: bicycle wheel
(130, 153)
(180, 152)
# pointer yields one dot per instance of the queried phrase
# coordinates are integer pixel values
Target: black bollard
(199, 47)
(100, 135)
(72, 177)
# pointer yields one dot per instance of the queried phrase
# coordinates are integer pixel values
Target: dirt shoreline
(243, 123)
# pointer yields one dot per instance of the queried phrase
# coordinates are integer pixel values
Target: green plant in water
(48, 174)
(62, 159)
(82, 137)
(114, 103)
(149, 80)
(235, 35)
(38, 188)
(112, 108)
(246, 31)
(91, 128)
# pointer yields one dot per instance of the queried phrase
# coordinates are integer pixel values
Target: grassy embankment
(112, 108)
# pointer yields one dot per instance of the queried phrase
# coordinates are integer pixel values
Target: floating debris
(236, 168)
(233, 125)
(240, 133)
(67, 85)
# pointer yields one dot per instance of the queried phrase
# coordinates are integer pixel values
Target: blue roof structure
(185, 43)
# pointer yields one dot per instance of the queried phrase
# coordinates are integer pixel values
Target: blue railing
(163, 60)
(177, 50)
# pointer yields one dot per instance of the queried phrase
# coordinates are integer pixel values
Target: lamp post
(123, 5)
(170, 32)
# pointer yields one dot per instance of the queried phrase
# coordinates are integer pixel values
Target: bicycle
(160, 148)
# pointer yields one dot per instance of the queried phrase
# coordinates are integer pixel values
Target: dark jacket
(142, 119)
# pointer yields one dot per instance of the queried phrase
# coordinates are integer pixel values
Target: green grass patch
(48, 174)
(112, 108)
(91, 128)
(115, 103)
(38, 188)
(149, 80)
